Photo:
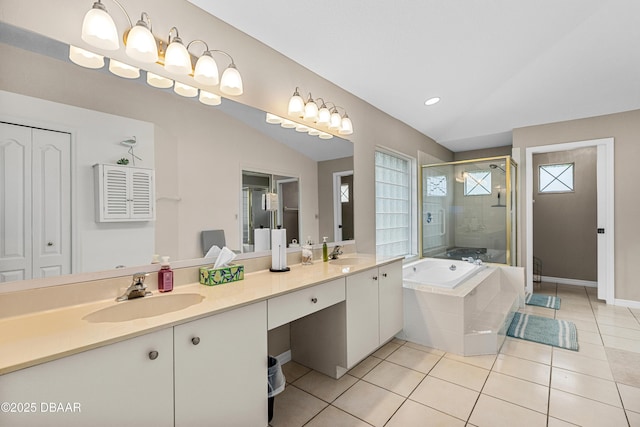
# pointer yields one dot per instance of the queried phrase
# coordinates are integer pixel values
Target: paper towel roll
(261, 239)
(279, 249)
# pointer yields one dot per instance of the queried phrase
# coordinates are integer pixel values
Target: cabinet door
(124, 193)
(115, 385)
(391, 308)
(221, 369)
(362, 315)
(141, 194)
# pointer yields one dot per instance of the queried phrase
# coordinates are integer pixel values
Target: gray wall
(482, 153)
(564, 224)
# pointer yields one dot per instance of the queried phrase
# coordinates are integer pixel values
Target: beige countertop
(42, 336)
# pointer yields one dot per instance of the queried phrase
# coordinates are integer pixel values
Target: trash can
(275, 382)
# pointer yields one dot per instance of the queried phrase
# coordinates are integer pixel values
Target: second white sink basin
(150, 306)
(349, 261)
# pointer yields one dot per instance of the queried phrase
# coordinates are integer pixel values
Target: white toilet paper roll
(279, 250)
(261, 238)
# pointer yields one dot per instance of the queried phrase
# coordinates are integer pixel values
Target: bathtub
(441, 273)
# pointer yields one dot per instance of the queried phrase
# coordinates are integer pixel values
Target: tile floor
(526, 384)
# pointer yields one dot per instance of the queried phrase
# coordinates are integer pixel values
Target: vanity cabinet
(391, 319)
(221, 369)
(126, 383)
(124, 193)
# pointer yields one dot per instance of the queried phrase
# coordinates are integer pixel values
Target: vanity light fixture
(310, 110)
(296, 105)
(123, 70)
(209, 98)
(299, 127)
(158, 81)
(177, 59)
(98, 28)
(185, 90)
(141, 44)
(84, 58)
(322, 116)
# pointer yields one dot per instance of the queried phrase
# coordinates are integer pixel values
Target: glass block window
(344, 193)
(437, 185)
(393, 204)
(477, 183)
(556, 178)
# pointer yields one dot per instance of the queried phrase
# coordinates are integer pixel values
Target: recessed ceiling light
(432, 101)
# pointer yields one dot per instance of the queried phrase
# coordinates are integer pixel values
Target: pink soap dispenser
(165, 276)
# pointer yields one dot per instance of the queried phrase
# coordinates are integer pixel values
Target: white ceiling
(496, 64)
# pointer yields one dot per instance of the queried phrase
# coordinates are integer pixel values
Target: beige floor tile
(554, 422)
(621, 343)
(586, 386)
(634, 419)
(589, 337)
(575, 315)
(630, 323)
(584, 412)
(573, 361)
(574, 308)
(492, 412)
(413, 414)
(625, 366)
(630, 397)
(369, 403)
(484, 361)
(384, 351)
(460, 373)
(362, 368)
(617, 331)
(583, 325)
(324, 387)
(538, 311)
(294, 407)
(520, 392)
(395, 378)
(292, 371)
(524, 369)
(398, 341)
(586, 349)
(425, 348)
(527, 350)
(414, 359)
(446, 397)
(334, 417)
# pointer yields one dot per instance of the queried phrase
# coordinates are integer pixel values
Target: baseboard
(574, 282)
(627, 303)
(284, 357)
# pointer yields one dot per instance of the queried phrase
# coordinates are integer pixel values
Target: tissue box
(215, 276)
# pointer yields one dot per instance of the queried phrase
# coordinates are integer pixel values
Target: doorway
(343, 206)
(605, 211)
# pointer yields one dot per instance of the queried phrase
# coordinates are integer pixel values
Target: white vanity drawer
(289, 307)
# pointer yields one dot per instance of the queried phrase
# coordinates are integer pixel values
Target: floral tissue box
(215, 276)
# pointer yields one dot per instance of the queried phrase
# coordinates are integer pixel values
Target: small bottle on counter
(325, 251)
(165, 276)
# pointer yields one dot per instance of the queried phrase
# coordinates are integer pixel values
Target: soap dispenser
(325, 251)
(165, 276)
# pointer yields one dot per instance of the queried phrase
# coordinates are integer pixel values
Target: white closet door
(15, 202)
(51, 203)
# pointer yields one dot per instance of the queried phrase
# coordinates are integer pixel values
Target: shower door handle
(443, 231)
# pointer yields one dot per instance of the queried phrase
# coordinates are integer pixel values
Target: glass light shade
(346, 127)
(335, 121)
(323, 116)
(141, 45)
(123, 70)
(273, 119)
(209, 98)
(310, 111)
(302, 128)
(231, 81)
(324, 135)
(288, 124)
(185, 90)
(99, 30)
(314, 132)
(296, 105)
(84, 58)
(158, 81)
(177, 59)
(206, 71)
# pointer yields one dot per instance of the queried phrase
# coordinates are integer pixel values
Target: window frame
(573, 178)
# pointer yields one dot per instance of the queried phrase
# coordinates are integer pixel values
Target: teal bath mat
(542, 301)
(558, 333)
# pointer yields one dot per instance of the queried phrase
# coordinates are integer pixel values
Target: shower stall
(468, 209)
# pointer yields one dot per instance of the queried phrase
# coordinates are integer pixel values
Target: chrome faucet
(137, 289)
(335, 252)
(472, 260)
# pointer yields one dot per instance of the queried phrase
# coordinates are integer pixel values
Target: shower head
(494, 166)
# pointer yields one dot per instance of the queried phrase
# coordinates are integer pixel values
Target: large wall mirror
(198, 153)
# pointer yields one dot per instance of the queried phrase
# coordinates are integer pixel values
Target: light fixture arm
(176, 38)
(206, 46)
(98, 5)
(232, 65)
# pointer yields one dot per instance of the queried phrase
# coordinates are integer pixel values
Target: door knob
(195, 340)
(153, 355)
(314, 300)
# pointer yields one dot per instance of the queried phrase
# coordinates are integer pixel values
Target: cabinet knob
(314, 300)
(153, 355)
(375, 277)
(384, 274)
(195, 340)
(50, 244)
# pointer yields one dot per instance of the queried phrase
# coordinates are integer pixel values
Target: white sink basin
(143, 307)
(349, 261)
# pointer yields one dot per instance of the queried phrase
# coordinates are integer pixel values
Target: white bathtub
(442, 273)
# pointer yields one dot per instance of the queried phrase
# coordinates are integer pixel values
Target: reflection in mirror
(194, 160)
(259, 215)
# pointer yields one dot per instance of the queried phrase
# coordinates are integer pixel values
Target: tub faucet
(335, 252)
(137, 289)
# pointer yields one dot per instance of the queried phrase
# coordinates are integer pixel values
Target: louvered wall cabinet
(124, 193)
